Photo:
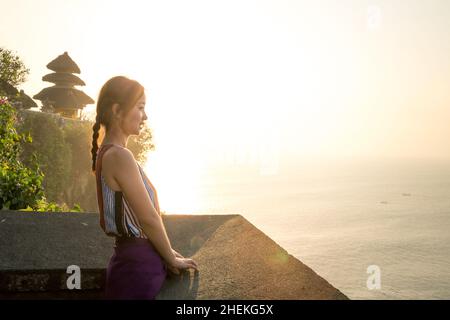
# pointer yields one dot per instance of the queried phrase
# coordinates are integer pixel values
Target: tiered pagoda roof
(63, 97)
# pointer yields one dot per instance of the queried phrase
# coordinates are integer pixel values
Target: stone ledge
(236, 260)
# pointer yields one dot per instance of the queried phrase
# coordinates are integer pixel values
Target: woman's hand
(177, 254)
(180, 262)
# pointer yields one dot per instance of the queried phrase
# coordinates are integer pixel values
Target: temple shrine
(63, 97)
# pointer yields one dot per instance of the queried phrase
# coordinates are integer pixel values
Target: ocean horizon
(340, 218)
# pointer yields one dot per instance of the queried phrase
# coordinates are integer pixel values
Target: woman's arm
(127, 175)
(177, 254)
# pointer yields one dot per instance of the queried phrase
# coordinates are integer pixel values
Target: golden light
(176, 176)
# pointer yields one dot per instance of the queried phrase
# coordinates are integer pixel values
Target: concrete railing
(236, 260)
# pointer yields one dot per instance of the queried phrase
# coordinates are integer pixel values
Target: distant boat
(384, 202)
(406, 194)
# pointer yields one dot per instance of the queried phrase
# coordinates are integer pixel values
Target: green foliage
(12, 69)
(44, 206)
(52, 152)
(20, 185)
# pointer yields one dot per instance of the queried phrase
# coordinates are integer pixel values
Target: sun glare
(177, 179)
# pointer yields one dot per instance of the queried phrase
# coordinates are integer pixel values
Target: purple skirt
(135, 271)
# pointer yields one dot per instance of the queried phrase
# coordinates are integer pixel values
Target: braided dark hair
(121, 90)
(95, 128)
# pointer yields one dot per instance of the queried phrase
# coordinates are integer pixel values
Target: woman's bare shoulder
(122, 172)
(118, 157)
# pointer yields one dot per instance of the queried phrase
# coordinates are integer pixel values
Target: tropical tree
(12, 69)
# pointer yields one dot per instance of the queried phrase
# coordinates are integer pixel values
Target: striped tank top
(116, 215)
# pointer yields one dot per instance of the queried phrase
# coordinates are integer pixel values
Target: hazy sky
(308, 78)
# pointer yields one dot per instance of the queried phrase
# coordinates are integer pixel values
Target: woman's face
(133, 121)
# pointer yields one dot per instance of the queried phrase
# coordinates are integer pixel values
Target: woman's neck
(114, 138)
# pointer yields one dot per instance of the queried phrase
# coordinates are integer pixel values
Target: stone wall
(236, 260)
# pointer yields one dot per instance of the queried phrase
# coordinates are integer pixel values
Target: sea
(373, 228)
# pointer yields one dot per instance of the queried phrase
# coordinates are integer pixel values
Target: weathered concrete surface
(236, 260)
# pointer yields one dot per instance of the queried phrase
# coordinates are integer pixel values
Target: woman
(128, 202)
